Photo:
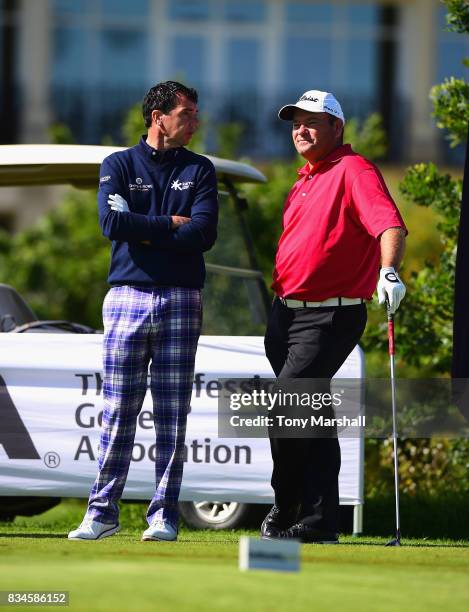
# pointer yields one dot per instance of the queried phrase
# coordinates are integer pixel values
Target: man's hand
(117, 203)
(177, 221)
(390, 286)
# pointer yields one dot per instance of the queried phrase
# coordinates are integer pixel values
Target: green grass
(200, 571)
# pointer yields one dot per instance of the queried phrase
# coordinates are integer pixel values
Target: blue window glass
(362, 14)
(65, 7)
(450, 56)
(442, 12)
(452, 49)
(123, 56)
(243, 64)
(189, 9)
(131, 8)
(361, 67)
(303, 12)
(68, 55)
(245, 10)
(188, 59)
(307, 64)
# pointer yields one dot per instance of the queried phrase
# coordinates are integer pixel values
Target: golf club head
(394, 542)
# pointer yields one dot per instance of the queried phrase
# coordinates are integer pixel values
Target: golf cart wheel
(214, 514)
(12, 506)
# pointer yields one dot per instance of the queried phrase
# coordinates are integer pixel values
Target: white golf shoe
(160, 531)
(93, 530)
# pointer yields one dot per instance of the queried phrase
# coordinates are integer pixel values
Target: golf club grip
(391, 334)
(390, 327)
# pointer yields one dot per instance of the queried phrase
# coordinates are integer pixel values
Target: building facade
(85, 62)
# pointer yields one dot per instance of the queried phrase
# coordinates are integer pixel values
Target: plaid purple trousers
(143, 325)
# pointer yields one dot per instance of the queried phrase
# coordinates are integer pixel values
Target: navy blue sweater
(157, 185)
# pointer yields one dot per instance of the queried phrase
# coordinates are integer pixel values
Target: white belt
(337, 301)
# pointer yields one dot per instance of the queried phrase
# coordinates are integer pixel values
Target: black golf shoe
(277, 521)
(309, 535)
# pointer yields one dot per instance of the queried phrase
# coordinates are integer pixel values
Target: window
(68, 55)
(131, 8)
(188, 59)
(306, 13)
(243, 64)
(245, 10)
(105, 41)
(336, 49)
(190, 10)
(450, 56)
(360, 74)
(308, 64)
(123, 56)
(363, 15)
(452, 49)
(98, 72)
(67, 7)
(110, 9)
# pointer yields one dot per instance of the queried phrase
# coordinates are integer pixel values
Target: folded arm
(199, 234)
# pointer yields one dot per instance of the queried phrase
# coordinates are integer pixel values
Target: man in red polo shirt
(340, 225)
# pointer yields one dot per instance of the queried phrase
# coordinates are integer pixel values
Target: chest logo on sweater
(178, 185)
(139, 185)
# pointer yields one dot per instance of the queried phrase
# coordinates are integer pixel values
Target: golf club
(397, 540)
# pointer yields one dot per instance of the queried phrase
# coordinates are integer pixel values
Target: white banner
(51, 408)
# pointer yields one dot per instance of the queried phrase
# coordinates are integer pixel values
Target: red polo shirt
(332, 219)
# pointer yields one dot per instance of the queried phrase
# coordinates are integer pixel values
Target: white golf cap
(313, 101)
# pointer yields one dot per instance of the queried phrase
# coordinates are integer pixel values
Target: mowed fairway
(200, 572)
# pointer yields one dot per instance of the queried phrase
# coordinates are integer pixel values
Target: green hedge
(435, 516)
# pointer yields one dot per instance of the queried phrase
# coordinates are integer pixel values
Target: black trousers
(310, 343)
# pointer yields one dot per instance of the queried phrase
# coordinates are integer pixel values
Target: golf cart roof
(78, 165)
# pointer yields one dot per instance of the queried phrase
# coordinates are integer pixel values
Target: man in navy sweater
(158, 205)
